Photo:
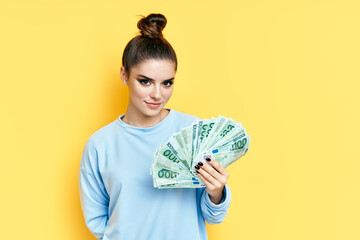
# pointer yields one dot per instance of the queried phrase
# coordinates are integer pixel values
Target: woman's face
(150, 86)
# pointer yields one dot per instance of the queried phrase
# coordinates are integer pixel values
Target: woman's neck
(140, 120)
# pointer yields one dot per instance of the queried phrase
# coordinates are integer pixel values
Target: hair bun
(152, 25)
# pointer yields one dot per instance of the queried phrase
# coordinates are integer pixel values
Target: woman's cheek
(140, 92)
(168, 94)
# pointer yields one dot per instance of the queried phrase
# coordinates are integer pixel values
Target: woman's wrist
(216, 198)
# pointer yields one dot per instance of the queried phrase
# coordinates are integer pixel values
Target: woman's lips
(153, 105)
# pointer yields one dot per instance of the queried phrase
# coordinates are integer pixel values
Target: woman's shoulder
(185, 118)
(102, 134)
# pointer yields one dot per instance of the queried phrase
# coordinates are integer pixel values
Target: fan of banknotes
(224, 139)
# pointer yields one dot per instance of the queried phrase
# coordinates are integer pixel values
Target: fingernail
(208, 159)
(197, 167)
(197, 171)
(200, 163)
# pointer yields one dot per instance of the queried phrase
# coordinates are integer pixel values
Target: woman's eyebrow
(153, 79)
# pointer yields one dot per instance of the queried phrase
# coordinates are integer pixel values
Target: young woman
(118, 199)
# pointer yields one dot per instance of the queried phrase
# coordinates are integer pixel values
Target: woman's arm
(93, 197)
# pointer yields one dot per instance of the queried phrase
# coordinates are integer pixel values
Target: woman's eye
(144, 82)
(168, 83)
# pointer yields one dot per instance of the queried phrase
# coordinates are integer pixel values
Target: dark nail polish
(197, 171)
(197, 167)
(208, 159)
(200, 163)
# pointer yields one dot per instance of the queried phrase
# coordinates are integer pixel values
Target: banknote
(224, 139)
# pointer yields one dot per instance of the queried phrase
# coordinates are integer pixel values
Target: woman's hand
(214, 176)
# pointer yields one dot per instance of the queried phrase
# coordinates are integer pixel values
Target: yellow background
(287, 70)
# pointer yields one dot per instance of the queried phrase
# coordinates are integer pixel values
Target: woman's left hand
(214, 176)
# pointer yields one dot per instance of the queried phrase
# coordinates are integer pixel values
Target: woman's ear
(123, 75)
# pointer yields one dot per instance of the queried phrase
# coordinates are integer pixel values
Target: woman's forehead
(155, 69)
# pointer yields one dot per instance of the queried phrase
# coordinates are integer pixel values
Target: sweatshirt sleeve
(93, 196)
(214, 213)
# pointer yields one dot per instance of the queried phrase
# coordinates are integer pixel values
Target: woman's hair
(150, 44)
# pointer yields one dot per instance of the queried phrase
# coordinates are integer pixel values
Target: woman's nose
(155, 93)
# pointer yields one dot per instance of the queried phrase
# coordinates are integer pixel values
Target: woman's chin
(152, 112)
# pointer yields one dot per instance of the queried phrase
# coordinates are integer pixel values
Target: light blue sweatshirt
(117, 196)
